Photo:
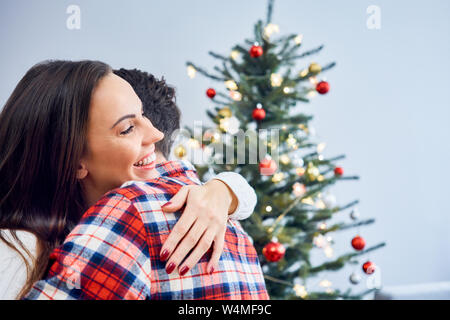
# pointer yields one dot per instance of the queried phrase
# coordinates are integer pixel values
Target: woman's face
(120, 140)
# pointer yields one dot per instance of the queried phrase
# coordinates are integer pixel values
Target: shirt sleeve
(244, 192)
(106, 256)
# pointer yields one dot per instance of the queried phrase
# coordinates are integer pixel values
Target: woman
(46, 185)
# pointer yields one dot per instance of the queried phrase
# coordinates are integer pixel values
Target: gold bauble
(314, 68)
(180, 151)
(225, 112)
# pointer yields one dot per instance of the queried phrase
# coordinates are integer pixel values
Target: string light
(308, 200)
(321, 146)
(288, 90)
(230, 125)
(235, 54)
(311, 93)
(271, 29)
(276, 80)
(300, 171)
(303, 73)
(300, 291)
(235, 95)
(284, 159)
(298, 189)
(320, 204)
(291, 140)
(231, 85)
(313, 80)
(303, 127)
(193, 143)
(268, 209)
(320, 241)
(191, 71)
(298, 39)
(312, 171)
(215, 137)
(325, 283)
(328, 252)
(277, 177)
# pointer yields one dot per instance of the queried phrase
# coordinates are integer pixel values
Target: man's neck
(160, 157)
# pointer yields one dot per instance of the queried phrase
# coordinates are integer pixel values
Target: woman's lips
(148, 166)
(147, 162)
(151, 153)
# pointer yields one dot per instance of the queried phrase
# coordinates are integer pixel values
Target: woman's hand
(203, 221)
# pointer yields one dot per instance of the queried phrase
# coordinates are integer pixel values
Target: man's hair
(159, 102)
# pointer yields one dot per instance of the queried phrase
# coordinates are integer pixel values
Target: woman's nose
(151, 134)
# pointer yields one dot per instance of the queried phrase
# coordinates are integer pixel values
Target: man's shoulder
(149, 190)
(135, 190)
(173, 175)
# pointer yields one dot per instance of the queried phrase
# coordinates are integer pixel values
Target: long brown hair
(42, 139)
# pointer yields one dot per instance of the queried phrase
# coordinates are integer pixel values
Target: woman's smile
(148, 162)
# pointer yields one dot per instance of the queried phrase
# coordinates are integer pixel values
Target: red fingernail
(183, 271)
(166, 204)
(164, 255)
(170, 267)
(211, 270)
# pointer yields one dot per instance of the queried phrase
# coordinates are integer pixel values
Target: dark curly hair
(159, 102)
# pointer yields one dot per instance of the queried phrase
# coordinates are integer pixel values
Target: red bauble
(256, 51)
(338, 171)
(267, 167)
(323, 87)
(258, 114)
(274, 251)
(358, 243)
(369, 267)
(211, 93)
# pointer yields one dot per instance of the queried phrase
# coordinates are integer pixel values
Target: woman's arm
(208, 207)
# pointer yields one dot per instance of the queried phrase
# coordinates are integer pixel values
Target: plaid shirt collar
(173, 168)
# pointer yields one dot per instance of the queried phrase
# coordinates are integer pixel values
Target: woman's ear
(82, 171)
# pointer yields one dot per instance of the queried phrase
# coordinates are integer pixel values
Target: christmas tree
(288, 171)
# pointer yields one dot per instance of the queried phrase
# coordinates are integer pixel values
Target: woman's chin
(145, 172)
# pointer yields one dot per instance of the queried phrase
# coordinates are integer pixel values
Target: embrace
(90, 208)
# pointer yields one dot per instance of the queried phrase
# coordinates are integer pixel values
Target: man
(114, 252)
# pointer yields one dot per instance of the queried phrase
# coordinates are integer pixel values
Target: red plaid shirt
(113, 253)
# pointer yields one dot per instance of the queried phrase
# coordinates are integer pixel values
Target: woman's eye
(128, 130)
